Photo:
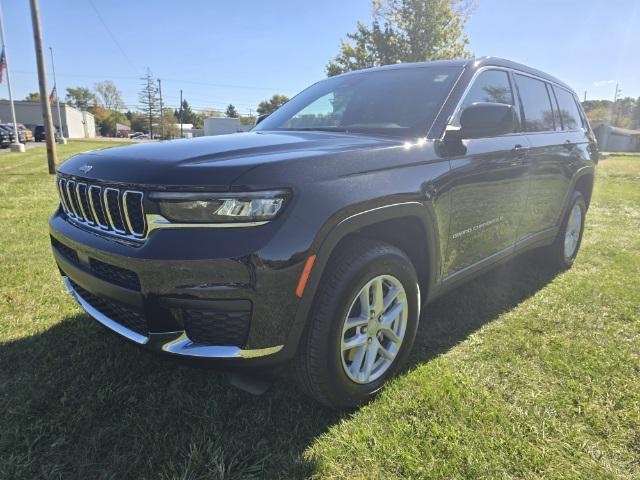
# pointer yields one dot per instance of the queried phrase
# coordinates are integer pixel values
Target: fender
(586, 170)
(329, 236)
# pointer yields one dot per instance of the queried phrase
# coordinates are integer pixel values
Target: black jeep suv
(316, 238)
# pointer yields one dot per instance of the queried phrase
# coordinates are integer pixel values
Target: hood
(213, 162)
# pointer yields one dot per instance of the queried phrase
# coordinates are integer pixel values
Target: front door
(489, 194)
(489, 186)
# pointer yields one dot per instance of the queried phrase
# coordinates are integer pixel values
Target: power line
(113, 37)
(172, 80)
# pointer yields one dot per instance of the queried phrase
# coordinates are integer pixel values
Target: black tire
(317, 366)
(555, 253)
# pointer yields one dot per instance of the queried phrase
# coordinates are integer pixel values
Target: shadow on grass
(77, 402)
(453, 317)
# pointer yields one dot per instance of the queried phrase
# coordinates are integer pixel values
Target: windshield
(400, 102)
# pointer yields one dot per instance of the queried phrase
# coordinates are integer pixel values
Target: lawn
(523, 373)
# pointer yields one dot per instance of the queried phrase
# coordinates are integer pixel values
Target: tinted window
(538, 114)
(490, 86)
(568, 109)
(399, 102)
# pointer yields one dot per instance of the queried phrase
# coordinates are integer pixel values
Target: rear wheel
(362, 325)
(565, 249)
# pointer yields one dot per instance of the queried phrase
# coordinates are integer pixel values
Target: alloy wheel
(572, 233)
(373, 329)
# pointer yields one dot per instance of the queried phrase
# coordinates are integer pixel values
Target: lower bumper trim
(173, 343)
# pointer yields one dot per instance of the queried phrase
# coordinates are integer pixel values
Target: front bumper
(174, 343)
(177, 271)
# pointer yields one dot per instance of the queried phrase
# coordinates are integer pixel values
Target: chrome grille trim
(85, 217)
(87, 204)
(107, 209)
(103, 226)
(127, 216)
(63, 202)
(68, 189)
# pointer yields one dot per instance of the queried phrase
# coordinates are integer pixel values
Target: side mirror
(259, 118)
(487, 120)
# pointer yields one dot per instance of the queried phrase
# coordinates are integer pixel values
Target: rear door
(488, 185)
(549, 156)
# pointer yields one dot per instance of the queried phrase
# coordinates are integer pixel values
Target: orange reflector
(308, 265)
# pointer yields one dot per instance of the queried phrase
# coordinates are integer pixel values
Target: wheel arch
(582, 181)
(584, 184)
(386, 223)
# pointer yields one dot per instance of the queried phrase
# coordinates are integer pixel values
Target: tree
(635, 117)
(624, 113)
(139, 122)
(231, 111)
(169, 121)
(109, 95)
(598, 115)
(405, 31)
(149, 100)
(32, 97)
(247, 119)
(271, 105)
(188, 115)
(80, 97)
(107, 120)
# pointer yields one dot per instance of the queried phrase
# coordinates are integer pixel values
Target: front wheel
(362, 325)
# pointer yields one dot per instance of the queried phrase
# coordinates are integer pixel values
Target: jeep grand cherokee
(316, 238)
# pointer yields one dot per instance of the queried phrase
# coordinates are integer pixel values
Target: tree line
(624, 113)
(105, 102)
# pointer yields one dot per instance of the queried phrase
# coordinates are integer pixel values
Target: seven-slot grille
(107, 209)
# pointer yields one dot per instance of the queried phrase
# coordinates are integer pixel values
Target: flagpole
(16, 146)
(55, 87)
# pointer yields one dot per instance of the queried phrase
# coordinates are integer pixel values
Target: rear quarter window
(569, 113)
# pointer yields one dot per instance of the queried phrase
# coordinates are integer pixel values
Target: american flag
(3, 64)
(53, 95)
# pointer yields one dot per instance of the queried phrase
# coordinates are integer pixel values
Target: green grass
(523, 373)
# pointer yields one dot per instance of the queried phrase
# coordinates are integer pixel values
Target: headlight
(219, 207)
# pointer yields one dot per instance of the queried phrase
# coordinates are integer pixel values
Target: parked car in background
(136, 134)
(22, 136)
(39, 133)
(316, 238)
(9, 130)
(28, 134)
(5, 139)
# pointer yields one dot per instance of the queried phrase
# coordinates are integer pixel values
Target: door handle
(520, 153)
(519, 149)
(568, 144)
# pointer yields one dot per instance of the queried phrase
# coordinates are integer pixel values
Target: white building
(75, 123)
(223, 125)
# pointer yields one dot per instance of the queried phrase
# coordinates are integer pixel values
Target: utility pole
(613, 107)
(585, 96)
(181, 131)
(16, 146)
(42, 80)
(161, 112)
(62, 140)
(149, 87)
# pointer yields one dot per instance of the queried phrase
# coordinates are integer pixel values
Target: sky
(241, 52)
